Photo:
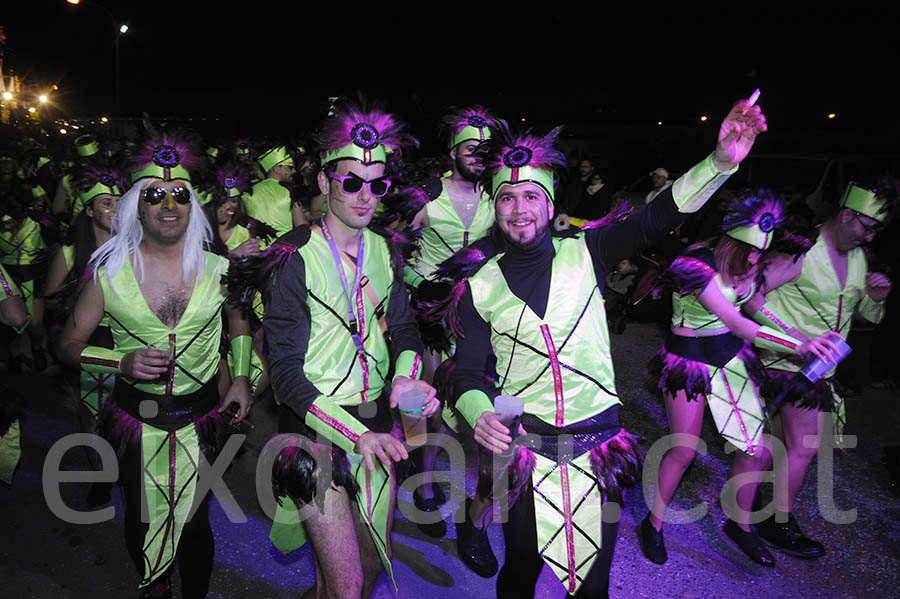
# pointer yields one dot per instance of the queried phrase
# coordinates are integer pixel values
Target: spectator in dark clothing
(574, 189)
(596, 199)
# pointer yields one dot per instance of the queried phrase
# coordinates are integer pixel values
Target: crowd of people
(175, 283)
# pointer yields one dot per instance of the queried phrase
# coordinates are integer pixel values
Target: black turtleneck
(527, 273)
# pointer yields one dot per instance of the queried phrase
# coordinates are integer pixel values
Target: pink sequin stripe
(751, 447)
(369, 493)
(774, 319)
(557, 377)
(777, 340)
(171, 382)
(361, 322)
(333, 423)
(570, 534)
(414, 373)
(6, 286)
(100, 362)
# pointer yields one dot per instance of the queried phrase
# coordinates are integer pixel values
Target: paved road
(45, 557)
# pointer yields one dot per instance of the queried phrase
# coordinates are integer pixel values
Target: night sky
(268, 65)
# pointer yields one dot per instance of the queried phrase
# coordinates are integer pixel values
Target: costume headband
(527, 158)
(104, 182)
(864, 201)
(274, 157)
(87, 146)
(168, 157)
(367, 137)
(753, 220)
(471, 123)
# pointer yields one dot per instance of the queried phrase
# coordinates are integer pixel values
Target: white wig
(128, 232)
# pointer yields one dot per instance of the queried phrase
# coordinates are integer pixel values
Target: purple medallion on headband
(517, 157)
(107, 180)
(166, 156)
(364, 135)
(229, 182)
(766, 222)
(477, 121)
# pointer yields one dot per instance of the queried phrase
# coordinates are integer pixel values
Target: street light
(7, 96)
(121, 29)
(43, 99)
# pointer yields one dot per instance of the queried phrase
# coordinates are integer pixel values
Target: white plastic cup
(411, 403)
(509, 409)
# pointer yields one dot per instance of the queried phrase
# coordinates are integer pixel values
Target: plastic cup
(817, 367)
(508, 409)
(415, 429)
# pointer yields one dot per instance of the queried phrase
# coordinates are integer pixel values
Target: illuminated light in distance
(42, 98)
(103, 119)
(704, 118)
(31, 109)
(63, 131)
(7, 96)
(123, 29)
(659, 122)
(831, 115)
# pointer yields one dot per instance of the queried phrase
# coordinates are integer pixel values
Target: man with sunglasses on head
(342, 345)
(163, 298)
(810, 297)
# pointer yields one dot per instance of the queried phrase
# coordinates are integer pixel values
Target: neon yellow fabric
(239, 234)
(692, 189)
(10, 452)
(690, 313)
(578, 344)
(21, 246)
(241, 348)
(101, 360)
(270, 202)
(170, 481)
(445, 233)
(129, 312)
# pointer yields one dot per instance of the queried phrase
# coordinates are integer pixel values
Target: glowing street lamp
(831, 115)
(43, 99)
(31, 109)
(123, 29)
(63, 131)
(7, 96)
(103, 119)
(704, 118)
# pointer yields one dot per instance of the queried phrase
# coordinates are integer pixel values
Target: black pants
(522, 564)
(195, 547)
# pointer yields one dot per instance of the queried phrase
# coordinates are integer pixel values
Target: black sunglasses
(155, 195)
(351, 184)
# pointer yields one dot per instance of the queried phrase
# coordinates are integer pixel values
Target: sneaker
(750, 544)
(789, 538)
(474, 547)
(437, 530)
(652, 543)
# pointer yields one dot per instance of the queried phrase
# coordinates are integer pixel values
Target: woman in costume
(236, 234)
(13, 313)
(708, 357)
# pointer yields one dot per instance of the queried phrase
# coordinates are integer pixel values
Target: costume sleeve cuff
(769, 338)
(100, 360)
(411, 277)
(472, 404)
(871, 310)
(768, 319)
(409, 363)
(241, 347)
(696, 186)
(335, 423)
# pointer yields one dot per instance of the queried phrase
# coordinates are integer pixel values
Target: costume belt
(173, 411)
(564, 444)
(717, 350)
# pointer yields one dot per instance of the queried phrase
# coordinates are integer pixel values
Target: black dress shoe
(750, 544)
(652, 543)
(474, 547)
(789, 538)
(437, 530)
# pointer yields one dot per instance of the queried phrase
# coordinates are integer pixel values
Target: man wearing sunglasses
(821, 293)
(164, 299)
(342, 344)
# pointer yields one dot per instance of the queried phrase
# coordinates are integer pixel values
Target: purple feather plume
(620, 211)
(686, 275)
(617, 463)
(341, 129)
(761, 207)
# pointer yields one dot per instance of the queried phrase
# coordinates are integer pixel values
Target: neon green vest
(270, 202)
(445, 233)
(688, 312)
(197, 335)
(331, 360)
(239, 234)
(816, 303)
(543, 367)
(20, 247)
